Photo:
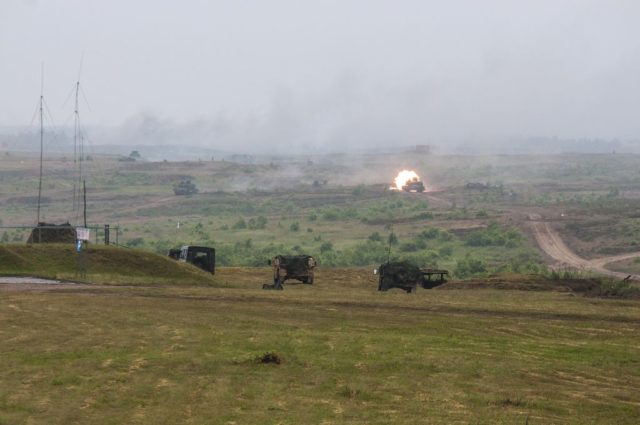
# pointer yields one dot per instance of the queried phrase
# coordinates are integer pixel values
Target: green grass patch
(98, 264)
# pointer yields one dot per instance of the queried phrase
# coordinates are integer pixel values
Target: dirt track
(553, 245)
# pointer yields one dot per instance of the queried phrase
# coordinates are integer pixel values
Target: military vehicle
(200, 256)
(52, 233)
(299, 267)
(185, 187)
(414, 185)
(408, 276)
(174, 253)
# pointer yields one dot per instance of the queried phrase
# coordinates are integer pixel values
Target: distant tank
(299, 267)
(407, 276)
(185, 187)
(414, 185)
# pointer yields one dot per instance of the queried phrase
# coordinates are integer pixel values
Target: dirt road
(553, 245)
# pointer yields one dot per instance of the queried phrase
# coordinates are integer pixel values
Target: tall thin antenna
(78, 146)
(76, 126)
(389, 247)
(41, 139)
(84, 197)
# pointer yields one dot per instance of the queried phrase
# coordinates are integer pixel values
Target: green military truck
(285, 267)
(407, 276)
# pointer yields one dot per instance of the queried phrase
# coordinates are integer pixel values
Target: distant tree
(375, 237)
(240, 224)
(326, 247)
(135, 242)
(134, 155)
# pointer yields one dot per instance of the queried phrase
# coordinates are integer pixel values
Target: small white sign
(83, 234)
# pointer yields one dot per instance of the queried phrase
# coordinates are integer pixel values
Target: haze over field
(255, 76)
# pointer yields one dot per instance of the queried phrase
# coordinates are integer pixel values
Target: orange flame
(405, 176)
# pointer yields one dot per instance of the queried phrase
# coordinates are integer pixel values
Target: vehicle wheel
(383, 285)
(278, 284)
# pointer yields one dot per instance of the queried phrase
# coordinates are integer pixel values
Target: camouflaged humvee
(299, 267)
(408, 276)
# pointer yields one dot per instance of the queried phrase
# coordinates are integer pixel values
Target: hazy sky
(329, 71)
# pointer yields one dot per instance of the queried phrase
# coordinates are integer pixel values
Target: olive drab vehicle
(413, 186)
(407, 276)
(200, 256)
(299, 267)
(185, 187)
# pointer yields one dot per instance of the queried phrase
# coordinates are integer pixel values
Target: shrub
(445, 251)
(240, 224)
(257, 223)
(358, 190)
(494, 235)
(135, 242)
(468, 267)
(430, 233)
(375, 237)
(330, 215)
(326, 247)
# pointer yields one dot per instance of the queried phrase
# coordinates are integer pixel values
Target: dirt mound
(52, 233)
(589, 287)
(270, 357)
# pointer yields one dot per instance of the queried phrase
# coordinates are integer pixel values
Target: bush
(258, 223)
(468, 267)
(413, 246)
(135, 242)
(494, 235)
(326, 247)
(359, 190)
(331, 215)
(430, 233)
(375, 237)
(240, 224)
(295, 226)
(445, 251)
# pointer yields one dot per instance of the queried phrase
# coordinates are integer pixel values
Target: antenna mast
(78, 149)
(41, 140)
(76, 126)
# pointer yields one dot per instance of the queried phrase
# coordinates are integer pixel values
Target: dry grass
(347, 353)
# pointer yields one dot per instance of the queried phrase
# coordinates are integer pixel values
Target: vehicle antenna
(389, 247)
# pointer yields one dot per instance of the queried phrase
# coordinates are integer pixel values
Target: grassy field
(338, 208)
(163, 342)
(349, 354)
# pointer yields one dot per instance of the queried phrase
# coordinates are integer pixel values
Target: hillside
(103, 264)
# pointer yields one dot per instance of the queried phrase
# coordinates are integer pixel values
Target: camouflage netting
(295, 264)
(401, 272)
(52, 233)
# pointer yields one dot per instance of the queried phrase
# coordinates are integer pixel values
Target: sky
(326, 73)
